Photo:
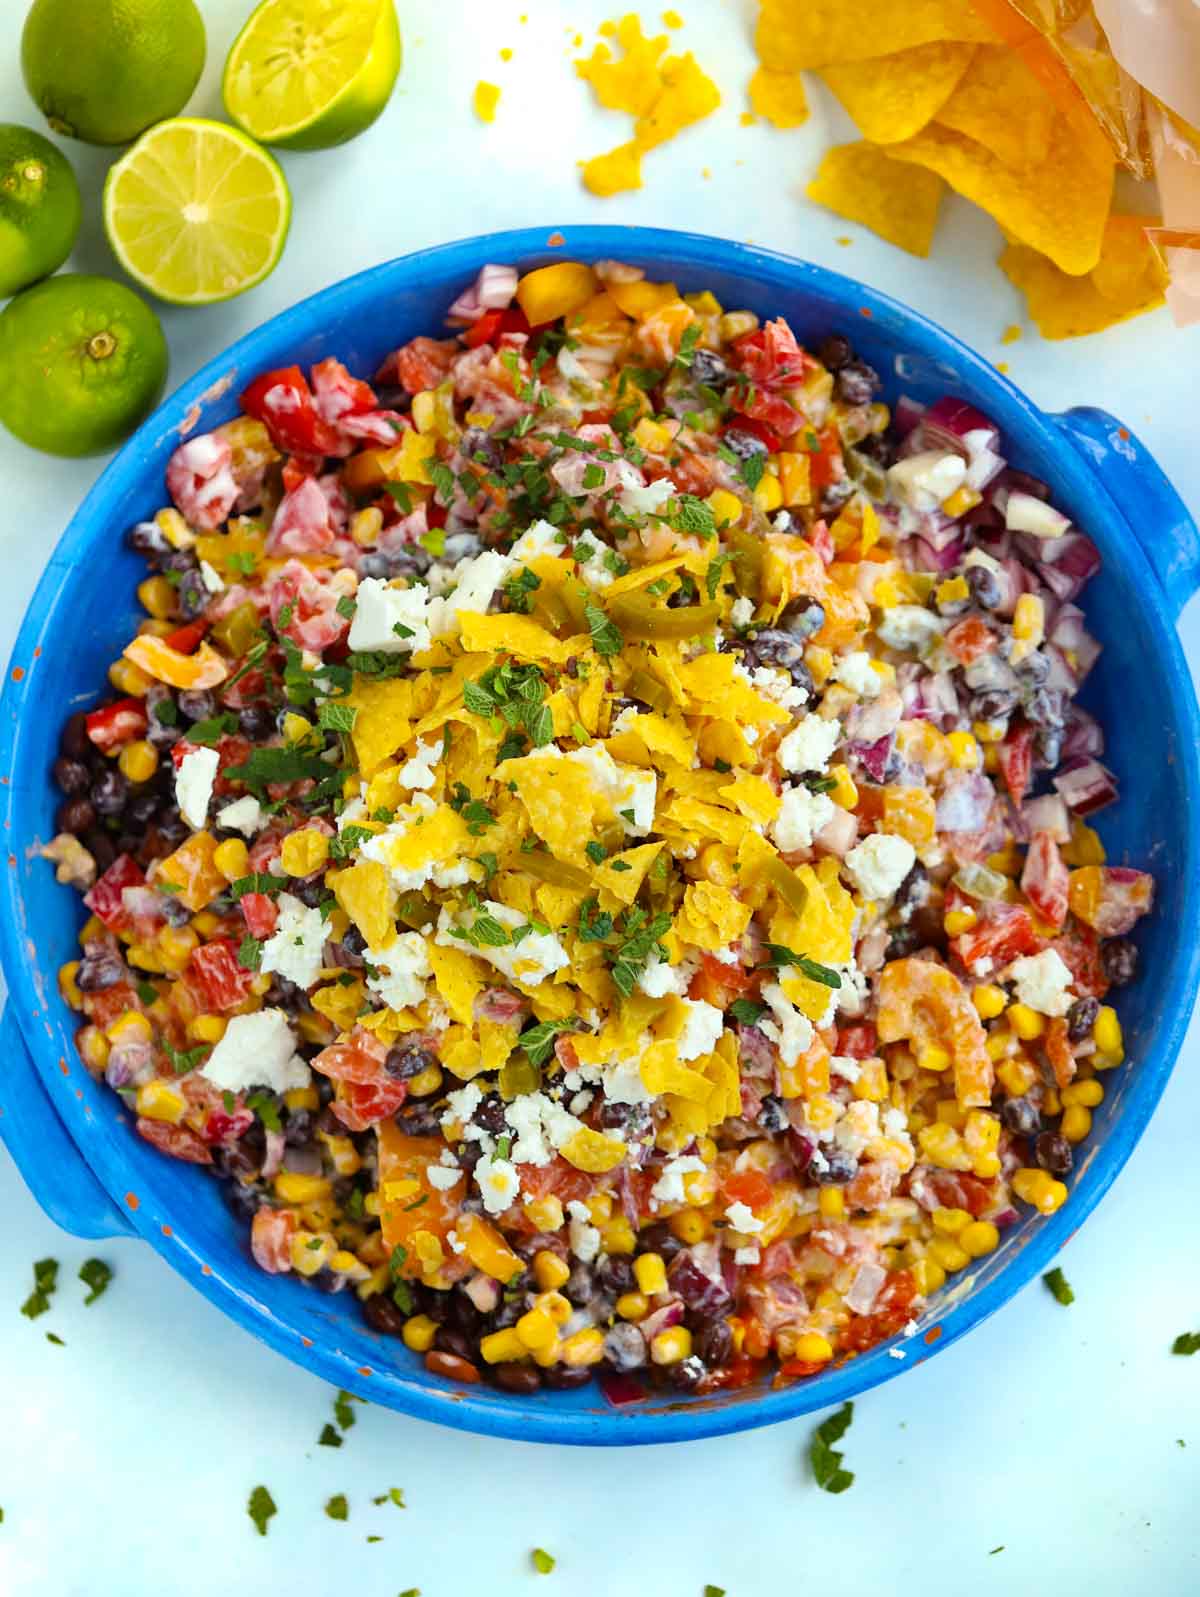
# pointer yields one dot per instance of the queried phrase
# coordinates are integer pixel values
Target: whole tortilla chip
(793, 35)
(1127, 280)
(1058, 207)
(898, 202)
(1001, 105)
(894, 96)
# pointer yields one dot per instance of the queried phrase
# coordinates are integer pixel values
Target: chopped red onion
(1075, 561)
(864, 1289)
(1061, 677)
(492, 290)
(483, 1292)
(873, 757)
(1048, 814)
(1087, 787)
(1084, 736)
(273, 1160)
(839, 833)
(939, 696)
(927, 558)
(906, 413)
(1024, 513)
(965, 802)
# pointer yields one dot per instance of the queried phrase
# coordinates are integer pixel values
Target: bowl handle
(52, 1166)
(1151, 508)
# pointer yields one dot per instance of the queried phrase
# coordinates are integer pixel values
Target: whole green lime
(39, 207)
(105, 70)
(82, 362)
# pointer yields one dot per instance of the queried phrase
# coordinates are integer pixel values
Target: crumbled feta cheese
(295, 948)
(795, 1029)
(401, 971)
(210, 578)
(648, 500)
(846, 1067)
(381, 609)
(418, 772)
(1042, 982)
(581, 1102)
(536, 956)
(498, 1183)
(475, 583)
(801, 816)
(909, 626)
(257, 1050)
(743, 1218)
(584, 1237)
(456, 1245)
(851, 997)
(542, 538)
(244, 815)
(742, 613)
(879, 864)
(857, 1127)
(774, 684)
(623, 1083)
(807, 747)
(855, 671)
(658, 979)
(669, 1187)
(747, 1255)
(571, 367)
(194, 784)
(627, 788)
(595, 569)
(924, 481)
(441, 1177)
(461, 1105)
(702, 1027)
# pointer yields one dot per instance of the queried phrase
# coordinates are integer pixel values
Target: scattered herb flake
(147, 993)
(606, 637)
(249, 954)
(261, 1508)
(778, 955)
(333, 717)
(543, 1562)
(1186, 1344)
(1058, 1286)
(330, 1437)
(57, 1340)
(337, 1507)
(826, 1461)
(342, 1412)
(95, 1275)
(45, 1284)
(746, 1012)
(992, 1551)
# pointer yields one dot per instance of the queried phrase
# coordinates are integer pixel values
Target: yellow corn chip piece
(516, 635)
(382, 724)
(688, 95)
(560, 801)
(496, 1042)
(753, 796)
(1127, 280)
(458, 978)
(1129, 270)
(624, 884)
(891, 97)
(1001, 105)
(661, 736)
(364, 891)
(594, 1152)
(858, 181)
(715, 913)
(339, 1004)
(631, 83)
(1058, 207)
(795, 35)
(779, 97)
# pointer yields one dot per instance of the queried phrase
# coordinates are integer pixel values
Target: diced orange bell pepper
(910, 812)
(203, 669)
(553, 291)
(408, 1201)
(486, 1248)
(190, 869)
(643, 298)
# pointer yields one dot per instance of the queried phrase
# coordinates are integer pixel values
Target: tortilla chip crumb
(485, 100)
(1011, 333)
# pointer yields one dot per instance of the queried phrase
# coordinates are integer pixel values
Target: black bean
(624, 1347)
(298, 1128)
(1021, 1117)
(427, 1300)
(283, 993)
(99, 845)
(1081, 1017)
(905, 941)
(172, 828)
(109, 792)
(1034, 668)
(878, 447)
(1119, 961)
(996, 704)
(772, 1116)
(389, 396)
(835, 351)
(463, 1315)
(101, 967)
(524, 1379)
(743, 444)
(193, 595)
(985, 586)
(75, 815)
(179, 560)
(408, 1060)
(197, 704)
(245, 1201)
(632, 1117)
(835, 494)
(857, 383)
(148, 539)
(256, 722)
(803, 617)
(489, 1115)
(660, 1239)
(614, 1274)
(565, 1377)
(840, 1167)
(73, 740)
(142, 808)
(381, 1314)
(713, 1342)
(72, 776)
(772, 646)
(580, 1287)
(708, 368)
(687, 1374)
(1053, 1153)
(912, 893)
(1044, 707)
(456, 1342)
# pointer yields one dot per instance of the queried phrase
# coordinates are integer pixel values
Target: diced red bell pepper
(1045, 879)
(421, 363)
(260, 915)
(825, 462)
(1016, 762)
(283, 402)
(893, 1309)
(771, 356)
(1005, 934)
(297, 468)
(970, 640)
(336, 393)
(105, 898)
(493, 325)
(1079, 950)
(181, 1142)
(185, 639)
(821, 539)
(757, 429)
(858, 1041)
(750, 1187)
(364, 1103)
(116, 724)
(717, 983)
(214, 975)
(955, 1189)
(1059, 1052)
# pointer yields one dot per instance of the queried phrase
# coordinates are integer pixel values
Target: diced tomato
(216, 977)
(1045, 879)
(1016, 761)
(955, 1190)
(260, 915)
(717, 983)
(694, 474)
(485, 331)
(283, 402)
(737, 1373)
(758, 429)
(409, 1200)
(297, 467)
(893, 1309)
(185, 639)
(105, 898)
(822, 541)
(301, 525)
(181, 1142)
(422, 363)
(750, 1187)
(337, 394)
(225, 1128)
(1079, 950)
(361, 1104)
(1002, 936)
(201, 482)
(825, 462)
(858, 1041)
(558, 1178)
(271, 1233)
(358, 1060)
(771, 356)
(770, 407)
(117, 724)
(1059, 1052)
(231, 751)
(310, 601)
(103, 1008)
(970, 640)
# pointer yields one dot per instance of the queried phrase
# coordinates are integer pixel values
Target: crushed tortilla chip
(793, 35)
(779, 97)
(1001, 105)
(485, 100)
(892, 97)
(1127, 280)
(1058, 207)
(859, 182)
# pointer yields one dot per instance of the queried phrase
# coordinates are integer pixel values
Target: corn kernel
(174, 528)
(650, 1271)
(989, 731)
(418, 1333)
(138, 761)
(617, 1235)
(1026, 1022)
(1088, 1093)
(950, 1221)
(129, 1027)
(544, 1213)
(653, 437)
(952, 589)
(261, 984)
(736, 324)
(302, 1098)
(1039, 1190)
(943, 1147)
(295, 728)
(68, 986)
(585, 1347)
(231, 858)
(1051, 1102)
(959, 921)
(425, 1081)
(343, 1155)
(536, 1330)
(633, 1306)
(304, 852)
(964, 751)
(128, 678)
(690, 1226)
(988, 1000)
(175, 946)
(1029, 626)
(157, 596)
(159, 1100)
(366, 525)
(312, 1027)
(978, 1238)
(1076, 1122)
(933, 1057)
(503, 1347)
(345, 1263)
(706, 1149)
(844, 790)
(929, 1276)
(947, 1113)
(144, 958)
(726, 507)
(831, 1203)
(93, 1048)
(311, 1252)
(205, 923)
(768, 496)
(600, 1207)
(1107, 1031)
(555, 1305)
(1016, 1076)
(1000, 1044)
(671, 1346)
(946, 1252)
(813, 1348)
(295, 1188)
(959, 502)
(208, 1028)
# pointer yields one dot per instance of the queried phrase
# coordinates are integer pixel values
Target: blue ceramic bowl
(72, 1139)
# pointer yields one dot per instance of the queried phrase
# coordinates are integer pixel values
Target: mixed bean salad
(590, 843)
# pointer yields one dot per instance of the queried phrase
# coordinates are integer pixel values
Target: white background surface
(127, 1456)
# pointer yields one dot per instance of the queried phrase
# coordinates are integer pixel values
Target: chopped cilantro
(347, 840)
(640, 938)
(687, 514)
(228, 1101)
(258, 882)
(519, 588)
(434, 542)
(442, 479)
(181, 1063)
(992, 1551)
(595, 852)
(621, 865)
(147, 992)
(752, 469)
(402, 494)
(1187, 1343)
(820, 784)
(826, 1461)
(746, 1012)
(261, 1508)
(337, 1507)
(212, 730)
(606, 637)
(687, 346)
(342, 1412)
(57, 1340)
(778, 955)
(723, 766)
(95, 1275)
(295, 763)
(329, 1437)
(337, 717)
(242, 561)
(1059, 1287)
(286, 612)
(595, 924)
(264, 1106)
(593, 476)
(542, 1561)
(712, 577)
(346, 607)
(249, 954)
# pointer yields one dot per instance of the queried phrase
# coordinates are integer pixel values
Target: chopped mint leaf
(95, 1275)
(261, 1508)
(337, 1507)
(1058, 1286)
(826, 1461)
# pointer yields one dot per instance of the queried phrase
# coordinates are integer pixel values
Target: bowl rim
(539, 1419)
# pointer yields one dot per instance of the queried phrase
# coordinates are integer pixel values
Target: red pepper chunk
(105, 899)
(260, 915)
(970, 640)
(216, 978)
(186, 638)
(283, 402)
(858, 1041)
(1016, 762)
(492, 325)
(717, 983)
(750, 1187)
(1045, 880)
(116, 724)
(1004, 935)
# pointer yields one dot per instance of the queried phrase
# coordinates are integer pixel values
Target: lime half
(307, 74)
(196, 211)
